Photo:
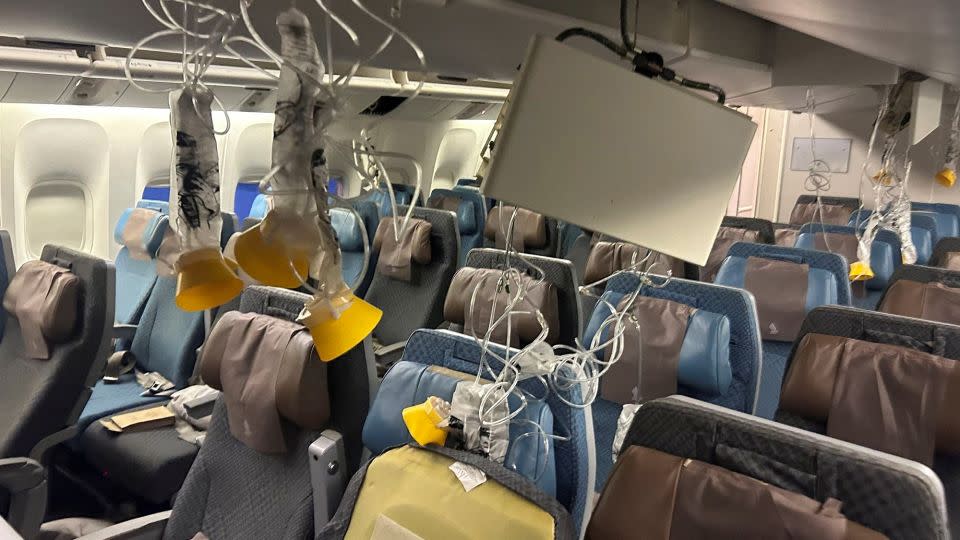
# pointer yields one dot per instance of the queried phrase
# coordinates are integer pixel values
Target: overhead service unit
(595, 144)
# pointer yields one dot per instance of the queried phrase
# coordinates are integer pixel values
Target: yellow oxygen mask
(424, 421)
(267, 251)
(339, 322)
(946, 177)
(205, 280)
(860, 271)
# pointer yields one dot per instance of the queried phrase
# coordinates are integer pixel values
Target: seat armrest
(124, 332)
(328, 475)
(142, 528)
(25, 481)
(388, 355)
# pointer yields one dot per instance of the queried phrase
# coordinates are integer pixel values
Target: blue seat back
(923, 230)
(135, 277)
(167, 337)
(350, 236)
(470, 216)
(827, 283)
(258, 208)
(885, 255)
(947, 216)
(574, 457)
(739, 317)
(371, 218)
(410, 383)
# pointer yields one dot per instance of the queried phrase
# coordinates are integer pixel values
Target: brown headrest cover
(444, 202)
(931, 301)
(839, 243)
(831, 373)
(395, 257)
(133, 231)
(529, 229)
(726, 237)
(647, 368)
(267, 368)
(655, 495)
(780, 290)
(542, 296)
(45, 300)
(607, 258)
(807, 213)
(786, 237)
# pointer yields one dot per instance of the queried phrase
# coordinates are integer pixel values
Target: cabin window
(58, 213)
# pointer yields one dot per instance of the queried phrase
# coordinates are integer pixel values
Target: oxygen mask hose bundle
(478, 416)
(204, 278)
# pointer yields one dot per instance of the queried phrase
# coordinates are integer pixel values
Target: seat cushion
(152, 464)
(109, 399)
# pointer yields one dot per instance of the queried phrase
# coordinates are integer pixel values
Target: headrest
(158, 206)
(930, 301)
(450, 201)
(542, 296)
(469, 182)
(267, 368)
(785, 289)
(785, 236)
(884, 253)
(836, 210)
(654, 494)
(529, 229)
(141, 230)
(259, 207)
(607, 258)
(726, 237)
(45, 300)
(694, 343)
(348, 230)
(410, 383)
(395, 257)
(887, 397)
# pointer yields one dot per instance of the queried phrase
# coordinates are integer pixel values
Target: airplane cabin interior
(479, 269)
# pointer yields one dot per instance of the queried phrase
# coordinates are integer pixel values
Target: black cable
(596, 36)
(706, 87)
(628, 42)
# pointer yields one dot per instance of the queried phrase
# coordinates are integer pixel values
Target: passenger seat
(557, 297)
(785, 234)
(923, 231)
(923, 292)
(165, 341)
(8, 267)
(706, 335)
(533, 233)
(283, 476)
(883, 382)
(411, 295)
(443, 358)
(469, 208)
(60, 312)
(947, 216)
(140, 231)
(885, 256)
(786, 284)
(693, 470)
(350, 235)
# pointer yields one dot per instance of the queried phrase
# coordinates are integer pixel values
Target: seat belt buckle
(110, 379)
(156, 387)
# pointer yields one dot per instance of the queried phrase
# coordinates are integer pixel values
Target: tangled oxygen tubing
(947, 176)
